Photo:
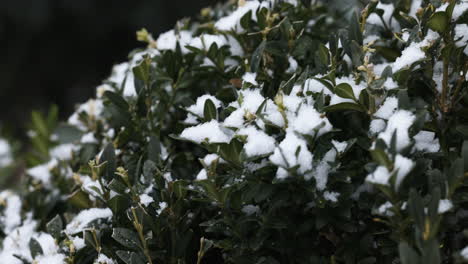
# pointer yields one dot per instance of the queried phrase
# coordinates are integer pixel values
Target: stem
(444, 88)
(139, 227)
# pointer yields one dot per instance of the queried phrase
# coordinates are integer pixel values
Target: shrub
(264, 132)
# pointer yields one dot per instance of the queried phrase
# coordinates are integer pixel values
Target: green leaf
(55, 226)
(154, 149)
(345, 90)
(344, 107)
(126, 237)
(407, 254)
(117, 100)
(108, 156)
(209, 111)
(118, 204)
(80, 199)
(439, 22)
(257, 57)
(381, 157)
(35, 248)
(355, 29)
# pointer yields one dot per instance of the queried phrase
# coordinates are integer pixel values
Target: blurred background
(58, 51)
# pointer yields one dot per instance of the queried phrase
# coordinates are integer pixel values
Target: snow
(210, 158)
(426, 141)
(249, 77)
(5, 153)
(340, 146)
(50, 259)
(309, 121)
(78, 242)
(93, 187)
(459, 10)
(461, 36)
(258, 143)
(322, 170)
(292, 65)
(199, 106)
(145, 199)
(11, 216)
(415, 5)
(62, 152)
(384, 209)
(312, 85)
(88, 138)
(122, 73)
(202, 175)
(169, 39)
(285, 154)
(93, 108)
(387, 16)
(162, 206)
(413, 53)
(42, 172)
(17, 242)
(381, 176)
(85, 217)
(464, 253)
(331, 196)
(205, 41)
(103, 259)
(400, 122)
(403, 166)
(388, 108)
(250, 209)
(445, 205)
(377, 126)
(232, 21)
(212, 132)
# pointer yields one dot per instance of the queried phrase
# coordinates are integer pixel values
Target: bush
(265, 132)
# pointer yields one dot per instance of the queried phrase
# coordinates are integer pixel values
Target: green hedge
(263, 132)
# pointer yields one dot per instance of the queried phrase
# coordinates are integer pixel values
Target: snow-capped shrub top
(264, 132)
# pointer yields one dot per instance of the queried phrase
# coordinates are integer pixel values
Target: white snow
(162, 206)
(381, 176)
(464, 253)
(232, 21)
(459, 10)
(169, 39)
(322, 170)
(387, 17)
(42, 172)
(426, 141)
(384, 209)
(10, 218)
(210, 158)
(258, 142)
(415, 5)
(78, 242)
(444, 206)
(199, 106)
(205, 41)
(311, 122)
(315, 86)
(88, 138)
(400, 122)
(331, 196)
(250, 209)
(145, 199)
(85, 217)
(92, 187)
(292, 65)
(414, 53)
(250, 77)
(461, 36)
(340, 146)
(388, 108)
(211, 131)
(285, 154)
(202, 175)
(17, 242)
(103, 259)
(404, 166)
(93, 108)
(377, 126)
(62, 152)
(5, 153)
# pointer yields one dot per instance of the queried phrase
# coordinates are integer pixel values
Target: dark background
(58, 51)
